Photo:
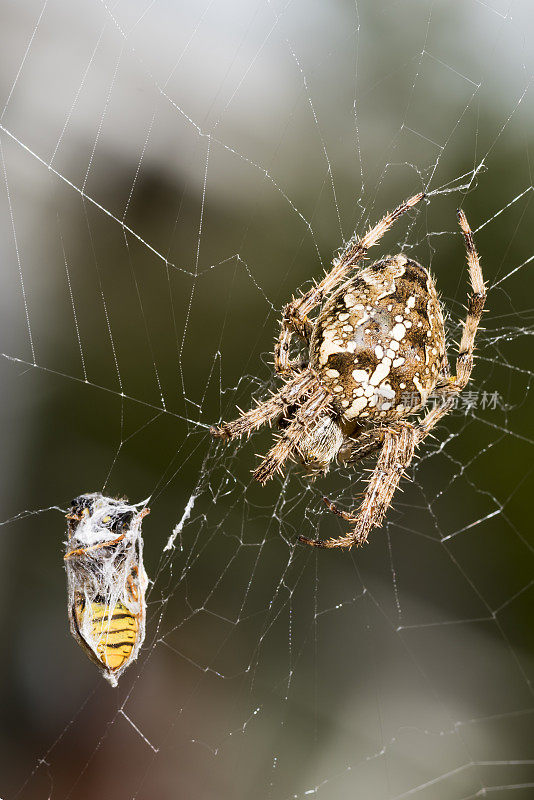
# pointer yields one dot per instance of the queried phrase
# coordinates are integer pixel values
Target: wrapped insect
(106, 580)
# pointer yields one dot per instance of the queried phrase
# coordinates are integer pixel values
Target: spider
(376, 352)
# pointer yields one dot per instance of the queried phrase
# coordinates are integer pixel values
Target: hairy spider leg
(464, 361)
(305, 418)
(395, 456)
(367, 444)
(290, 393)
(454, 384)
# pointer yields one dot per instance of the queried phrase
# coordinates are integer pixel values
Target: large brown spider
(376, 353)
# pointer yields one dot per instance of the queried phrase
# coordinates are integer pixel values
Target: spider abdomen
(378, 344)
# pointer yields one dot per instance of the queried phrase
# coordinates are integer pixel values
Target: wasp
(106, 580)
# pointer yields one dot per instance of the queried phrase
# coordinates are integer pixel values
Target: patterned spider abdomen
(378, 344)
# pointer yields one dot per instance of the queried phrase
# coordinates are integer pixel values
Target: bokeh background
(170, 174)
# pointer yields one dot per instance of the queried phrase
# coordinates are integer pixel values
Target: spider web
(172, 174)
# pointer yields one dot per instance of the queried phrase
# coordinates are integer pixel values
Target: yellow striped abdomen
(112, 630)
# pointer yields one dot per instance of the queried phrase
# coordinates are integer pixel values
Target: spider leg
(335, 510)
(295, 315)
(397, 451)
(265, 412)
(475, 307)
(464, 362)
(365, 445)
(306, 416)
(291, 324)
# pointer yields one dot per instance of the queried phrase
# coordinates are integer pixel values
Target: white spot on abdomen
(330, 344)
(357, 406)
(381, 372)
(399, 331)
(360, 375)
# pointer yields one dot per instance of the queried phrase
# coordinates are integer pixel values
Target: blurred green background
(171, 174)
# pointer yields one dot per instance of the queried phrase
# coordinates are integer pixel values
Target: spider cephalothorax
(377, 352)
